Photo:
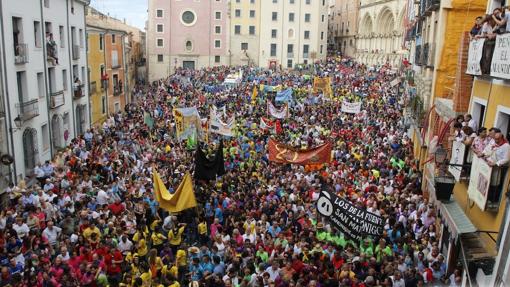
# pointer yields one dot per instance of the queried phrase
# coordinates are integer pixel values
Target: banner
(265, 124)
(217, 126)
(475, 56)
(352, 108)
(284, 96)
(323, 85)
(148, 120)
(208, 169)
(187, 122)
(500, 65)
(183, 197)
(395, 82)
(277, 113)
(479, 181)
(458, 151)
(281, 153)
(205, 130)
(352, 221)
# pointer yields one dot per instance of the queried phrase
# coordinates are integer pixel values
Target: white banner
(479, 181)
(500, 65)
(458, 152)
(217, 126)
(395, 82)
(352, 108)
(474, 57)
(265, 124)
(277, 113)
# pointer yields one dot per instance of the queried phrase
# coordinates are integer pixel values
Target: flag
(148, 120)
(281, 153)
(278, 127)
(183, 198)
(191, 142)
(208, 169)
(254, 95)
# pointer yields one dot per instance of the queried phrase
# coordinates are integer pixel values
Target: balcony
(28, 110)
(418, 55)
(57, 99)
(76, 52)
(306, 55)
(21, 54)
(78, 91)
(116, 65)
(493, 61)
(117, 91)
(52, 54)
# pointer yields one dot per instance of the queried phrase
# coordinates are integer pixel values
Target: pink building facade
(186, 33)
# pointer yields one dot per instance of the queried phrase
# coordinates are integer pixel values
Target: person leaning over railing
(502, 18)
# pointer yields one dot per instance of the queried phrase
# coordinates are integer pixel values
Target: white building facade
(293, 32)
(44, 79)
(380, 32)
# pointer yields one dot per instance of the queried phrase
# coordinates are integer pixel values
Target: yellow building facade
(96, 61)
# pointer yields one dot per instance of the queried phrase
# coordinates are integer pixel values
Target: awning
(456, 220)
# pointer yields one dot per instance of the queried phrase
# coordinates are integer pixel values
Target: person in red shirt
(117, 207)
(113, 260)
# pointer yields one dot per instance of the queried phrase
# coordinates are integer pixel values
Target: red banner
(281, 153)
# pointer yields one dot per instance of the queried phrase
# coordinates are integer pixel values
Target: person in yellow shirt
(157, 239)
(155, 263)
(91, 229)
(181, 262)
(202, 231)
(141, 248)
(146, 275)
(175, 236)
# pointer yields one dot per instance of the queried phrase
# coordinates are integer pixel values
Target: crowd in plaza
(90, 217)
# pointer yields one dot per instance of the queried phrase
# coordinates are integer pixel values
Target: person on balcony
(497, 157)
(480, 142)
(51, 47)
(77, 87)
(476, 28)
(470, 122)
(502, 18)
(488, 28)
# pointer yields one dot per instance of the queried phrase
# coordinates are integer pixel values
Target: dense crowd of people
(91, 218)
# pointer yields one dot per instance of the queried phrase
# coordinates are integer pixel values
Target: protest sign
(352, 221)
(282, 153)
(500, 65)
(187, 122)
(474, 57)
(277, 113)
(479, 180)
(351, 108)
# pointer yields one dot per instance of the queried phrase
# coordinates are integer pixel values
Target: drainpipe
(70, 47)
(87, 61)
(46, 76)
(8, 121)
(126, 71)
(107, 83)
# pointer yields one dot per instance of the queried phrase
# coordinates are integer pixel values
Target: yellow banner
(323, 85)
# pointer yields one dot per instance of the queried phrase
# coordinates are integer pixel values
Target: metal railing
(78, 91)
(290, 55)
(57, 99)
(76, 52)
(21, 54)
(418, 55)
(28, 110)
(116, 65)
(117, 91)
(306, 55)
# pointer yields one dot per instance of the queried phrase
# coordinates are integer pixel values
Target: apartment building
(187, 34)
(343, 26)
(245, 31)
(44, 72)
(293, 32)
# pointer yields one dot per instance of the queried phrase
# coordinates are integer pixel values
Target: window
(217, 29)
(159, 13)
(322, 35)
(273, 50)
(291, 17)
(160, 42)
(290, 50)
(103, 105)
(323, 18)
(237, 29)
(81, 37)
(160, 58)
(238, 13)
(307, 17)
(189, 46)
(321, 49)
(291, 1)
(252, 1)
(252, 30)
(188, 18)
(306, 49)
(275, 1)
(307, 34)
(238, 1)
(217, 43)
(273, 33)
(307, 2)
(45, 137)
(64, 79)
(21, 82)
(289, 63)
(291, 33)
(323, 2)
(47, 3)
(113, 38)
(101, 41)
(159, 28)
(40, 85)
(218, 15)
(244, 46)
(62, 37)
(37, 34)
(252, 13)
(274, 16)
(217, 59)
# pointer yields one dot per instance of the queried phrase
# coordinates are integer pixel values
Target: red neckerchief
(504, 141)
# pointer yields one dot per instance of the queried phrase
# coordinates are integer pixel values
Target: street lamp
(440, 155)
(18, 122)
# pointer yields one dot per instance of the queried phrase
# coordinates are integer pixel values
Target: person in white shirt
(102, 197)
(125, 245)
(21, 228)
(51, 233)
(273, 270)
(468, 121)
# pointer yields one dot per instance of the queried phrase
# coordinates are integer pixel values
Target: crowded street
(94, 214)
